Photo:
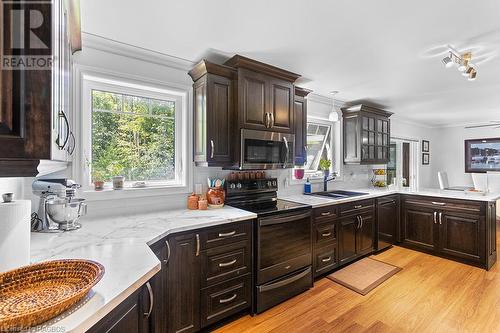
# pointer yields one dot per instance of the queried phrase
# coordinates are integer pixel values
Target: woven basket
(33, 294)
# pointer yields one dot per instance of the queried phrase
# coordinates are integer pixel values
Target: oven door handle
(286, 219)
(285, 282)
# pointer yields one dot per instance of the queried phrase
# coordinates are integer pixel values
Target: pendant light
(333, 116)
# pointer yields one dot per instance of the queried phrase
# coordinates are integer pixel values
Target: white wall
(449, 151)
(402, 129)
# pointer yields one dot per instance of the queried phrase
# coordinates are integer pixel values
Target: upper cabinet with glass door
(367, 132)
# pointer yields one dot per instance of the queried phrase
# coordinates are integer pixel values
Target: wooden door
(219, 134)
(365, 234)
(281, 105)
(347, 239)
(300, 130)
(253, 94)
(461, 235)
(183, 284)
(388, 219)
(419, 227)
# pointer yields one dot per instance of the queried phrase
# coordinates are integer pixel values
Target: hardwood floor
(430, 294)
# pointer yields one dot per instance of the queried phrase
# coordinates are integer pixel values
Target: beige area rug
(364, 275)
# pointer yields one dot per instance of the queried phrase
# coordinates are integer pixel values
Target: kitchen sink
(338, 194)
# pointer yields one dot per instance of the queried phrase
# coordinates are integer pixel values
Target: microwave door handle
(287, 152)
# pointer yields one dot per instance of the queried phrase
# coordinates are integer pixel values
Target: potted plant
(98, 179)
(324, 165)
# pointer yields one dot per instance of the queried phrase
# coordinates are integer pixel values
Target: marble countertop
(121, 244)
(318, 201)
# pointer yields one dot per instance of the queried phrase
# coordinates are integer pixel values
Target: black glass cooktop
(275, 207)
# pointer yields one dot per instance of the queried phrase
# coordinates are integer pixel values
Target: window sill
(132, 192)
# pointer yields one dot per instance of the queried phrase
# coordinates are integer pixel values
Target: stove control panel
(252, 185)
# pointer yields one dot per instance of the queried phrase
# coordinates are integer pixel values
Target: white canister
(15, 219)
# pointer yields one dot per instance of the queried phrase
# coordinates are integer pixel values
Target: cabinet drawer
(226, 234)
(325, 213)
(356, 207)
(458, 206)
(325, 232)
(225, 262)
(225, 299)
(325, 259)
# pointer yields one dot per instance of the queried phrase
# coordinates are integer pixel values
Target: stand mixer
(58, 209)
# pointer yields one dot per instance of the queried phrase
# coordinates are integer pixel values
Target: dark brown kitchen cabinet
(418, 227)
(387, 221)
(325, 240)
(301, 125)
(367, 132)
(348, 228)
(206, 277)
(356, 234)
(265, 95)
(134, 315)
(452, 228)
(183, 283)
(35, 103)
(460, 235)
(213, 114)
(356, 230)
(365, 234)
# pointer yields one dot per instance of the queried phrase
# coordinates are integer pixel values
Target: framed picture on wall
(425, 158)
(482, 155)
(425, 146)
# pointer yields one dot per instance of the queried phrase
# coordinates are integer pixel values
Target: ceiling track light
(462, 61)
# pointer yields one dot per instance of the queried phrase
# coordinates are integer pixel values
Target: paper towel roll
(14, 234)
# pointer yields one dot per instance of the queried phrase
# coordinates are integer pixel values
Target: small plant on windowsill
(98, 179)
(324, 165)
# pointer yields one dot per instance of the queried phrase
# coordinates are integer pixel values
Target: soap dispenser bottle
(307, 186)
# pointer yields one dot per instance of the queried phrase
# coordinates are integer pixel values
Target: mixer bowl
(65, 211)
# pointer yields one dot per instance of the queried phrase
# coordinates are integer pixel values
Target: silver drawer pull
(227, 234)
(358, 206)
(439, 203)
(326, 234)
(229, 263)
(226, 300)
(326, 213)
(326, 259)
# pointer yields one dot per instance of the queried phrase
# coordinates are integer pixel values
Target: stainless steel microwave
(266, 150)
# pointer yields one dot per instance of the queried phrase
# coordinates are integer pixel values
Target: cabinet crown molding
(302, 92)
(239, 61)
(366, 108)
(205, 67)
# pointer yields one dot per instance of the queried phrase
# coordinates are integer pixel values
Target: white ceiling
(387, 52)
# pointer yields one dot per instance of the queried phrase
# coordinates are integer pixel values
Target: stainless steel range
(283, 253)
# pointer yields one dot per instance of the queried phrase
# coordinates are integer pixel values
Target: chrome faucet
(326, 179)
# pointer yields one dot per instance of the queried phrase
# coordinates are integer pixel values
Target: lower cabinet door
(131, 316)
(347, 239)
(225, 299)
(183, 284)
(325, 259)
(460, 236)
(419, 227)
(365, 234)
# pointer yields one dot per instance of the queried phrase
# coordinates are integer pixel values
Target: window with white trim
(133, 131)
(320, 145)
